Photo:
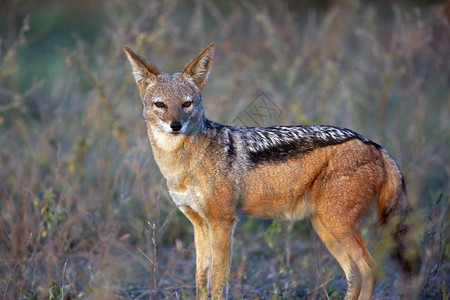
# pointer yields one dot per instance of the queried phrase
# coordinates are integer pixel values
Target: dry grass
(84, 211)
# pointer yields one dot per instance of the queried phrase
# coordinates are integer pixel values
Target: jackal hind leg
(367, 266)
(347, 264)
(203, 252)
(349, 237)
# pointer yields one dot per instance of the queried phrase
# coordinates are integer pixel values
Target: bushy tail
(393, 211)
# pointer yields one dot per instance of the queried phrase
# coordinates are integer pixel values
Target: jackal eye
(187, 103)
(159, 104)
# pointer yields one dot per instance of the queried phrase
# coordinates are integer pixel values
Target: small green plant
(271, 233)
(444, 291)
(55, 292)
(31, 295)
(52, 216)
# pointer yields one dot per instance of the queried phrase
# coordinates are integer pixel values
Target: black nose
(176, 126)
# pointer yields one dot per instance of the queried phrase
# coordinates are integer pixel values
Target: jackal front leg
(221, 233)
(203, 251)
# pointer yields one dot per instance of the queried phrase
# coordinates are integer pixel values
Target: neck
(173, 151)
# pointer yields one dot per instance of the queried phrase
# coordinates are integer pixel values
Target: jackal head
(172, 103)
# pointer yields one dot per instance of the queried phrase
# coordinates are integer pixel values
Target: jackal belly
(280, 190)
(291, 208)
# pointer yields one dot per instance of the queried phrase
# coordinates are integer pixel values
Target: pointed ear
(198, 69)
(144, 72)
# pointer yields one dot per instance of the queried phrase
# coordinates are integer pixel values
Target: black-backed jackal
(216, 172)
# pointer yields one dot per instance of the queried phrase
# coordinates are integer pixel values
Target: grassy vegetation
(84, 211)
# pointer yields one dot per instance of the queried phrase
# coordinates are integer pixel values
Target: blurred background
(84, 211)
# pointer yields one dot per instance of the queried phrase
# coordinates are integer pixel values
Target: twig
(155, 268)
(145, 255)
(63, 277)
(319, 287)
(173, 294)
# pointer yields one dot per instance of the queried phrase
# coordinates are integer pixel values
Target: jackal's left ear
(144, 72)
(198, 69)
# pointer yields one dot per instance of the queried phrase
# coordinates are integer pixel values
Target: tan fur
(211, 178)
